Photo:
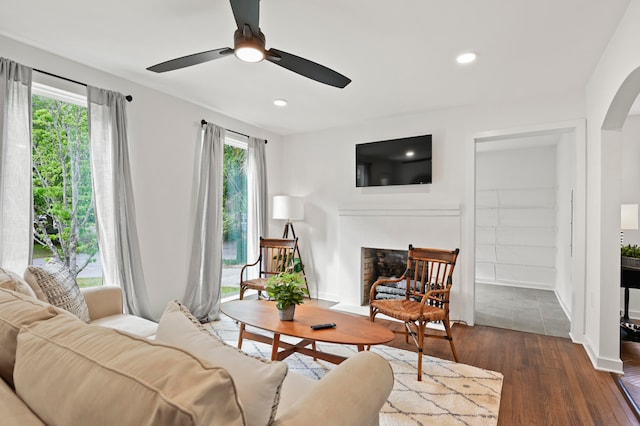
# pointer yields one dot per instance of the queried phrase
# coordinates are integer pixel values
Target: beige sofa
(56, 369)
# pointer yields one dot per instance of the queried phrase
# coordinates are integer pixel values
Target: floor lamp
(290, 208)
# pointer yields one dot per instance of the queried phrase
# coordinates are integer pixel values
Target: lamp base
(285, 234)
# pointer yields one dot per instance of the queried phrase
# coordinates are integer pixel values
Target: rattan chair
(428, 285)
(276, 255)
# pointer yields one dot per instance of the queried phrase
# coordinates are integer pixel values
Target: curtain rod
(128, 97)
(203, 122)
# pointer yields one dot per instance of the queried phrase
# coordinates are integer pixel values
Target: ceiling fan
(249, 46)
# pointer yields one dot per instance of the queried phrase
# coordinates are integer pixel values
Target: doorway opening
(524, 217)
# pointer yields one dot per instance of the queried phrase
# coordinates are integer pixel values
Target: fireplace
(380, 263)
(392, 226)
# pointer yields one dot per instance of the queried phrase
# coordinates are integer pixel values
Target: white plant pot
(287, 313)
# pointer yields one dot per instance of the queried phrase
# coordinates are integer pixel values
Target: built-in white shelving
(516, 236)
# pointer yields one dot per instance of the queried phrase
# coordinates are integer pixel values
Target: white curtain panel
(257, 206)
(16, 202)
(113, 194)
(202, 295)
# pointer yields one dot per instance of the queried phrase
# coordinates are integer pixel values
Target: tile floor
(522, 309)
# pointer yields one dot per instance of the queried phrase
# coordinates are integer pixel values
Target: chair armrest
(103, 301)
(351, 394)
(372, 290)
(247, 266)
(438, 295)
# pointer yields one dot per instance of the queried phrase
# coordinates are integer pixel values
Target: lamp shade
(288, 208)
(629, 216)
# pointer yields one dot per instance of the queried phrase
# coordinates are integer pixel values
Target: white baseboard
(610, 365)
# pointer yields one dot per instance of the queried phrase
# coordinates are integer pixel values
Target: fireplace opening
(380, 263)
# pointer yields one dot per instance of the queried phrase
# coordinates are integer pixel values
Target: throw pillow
(59, 287)
(17, 310)
(72, 373)
(258, 382)
(14, 282)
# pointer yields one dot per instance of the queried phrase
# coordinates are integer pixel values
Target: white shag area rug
(450, 393)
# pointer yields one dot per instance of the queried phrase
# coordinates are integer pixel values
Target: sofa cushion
(14, 411)
(14, 282)
(258, 381)
(69, 372)
(59, 287)
(129, 323)
(17, 310)
(294, 388)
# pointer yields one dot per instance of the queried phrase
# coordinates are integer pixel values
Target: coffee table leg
(361, 348)
(274, 346)
(313, 347)
(241, 335)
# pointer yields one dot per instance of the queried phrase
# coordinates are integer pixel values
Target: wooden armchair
(276, 255)
(428, 284)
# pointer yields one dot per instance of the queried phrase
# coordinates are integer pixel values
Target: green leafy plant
(63, 209)
(286, 289)
(630, 251)
(297, 265)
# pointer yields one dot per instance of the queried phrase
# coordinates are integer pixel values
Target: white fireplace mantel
(400, 209)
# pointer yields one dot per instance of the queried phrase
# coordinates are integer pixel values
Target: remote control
(322, 326)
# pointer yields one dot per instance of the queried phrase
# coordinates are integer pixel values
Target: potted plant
(287, 290)
(630, 256)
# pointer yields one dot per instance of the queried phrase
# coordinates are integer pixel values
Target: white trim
(400, 212)
(39, 89)
(237, 141)
(579, 258)
(611, 365)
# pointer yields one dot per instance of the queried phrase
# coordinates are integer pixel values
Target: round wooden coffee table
(350, 329)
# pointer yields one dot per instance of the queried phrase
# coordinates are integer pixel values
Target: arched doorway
(614, 177)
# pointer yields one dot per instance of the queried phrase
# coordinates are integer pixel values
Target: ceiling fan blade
(247, 12)
(187, 61)
(307, 68)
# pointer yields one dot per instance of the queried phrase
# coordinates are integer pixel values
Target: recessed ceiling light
(466, 58)
(280, 102)
(409, 153)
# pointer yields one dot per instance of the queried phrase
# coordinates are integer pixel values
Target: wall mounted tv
(404, 161)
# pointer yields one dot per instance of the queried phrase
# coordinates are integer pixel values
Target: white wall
(606, 110)
(163, 131)
(567, 203)
(322, 166)
(516, 228)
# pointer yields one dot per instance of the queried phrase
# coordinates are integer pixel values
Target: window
(63, 209)
(234, 214)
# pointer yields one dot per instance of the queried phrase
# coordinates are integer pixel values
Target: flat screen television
(404, 161)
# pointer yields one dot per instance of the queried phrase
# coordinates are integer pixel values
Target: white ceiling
(399, 54)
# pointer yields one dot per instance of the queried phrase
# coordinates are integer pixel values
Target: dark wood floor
(630, 381)
(547, 380)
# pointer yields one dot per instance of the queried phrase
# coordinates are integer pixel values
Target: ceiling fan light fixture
(249, 54)
(248, 47)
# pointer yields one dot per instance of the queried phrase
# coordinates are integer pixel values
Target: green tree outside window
(63, 210)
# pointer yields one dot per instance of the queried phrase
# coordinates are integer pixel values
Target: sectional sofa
(115, 368)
